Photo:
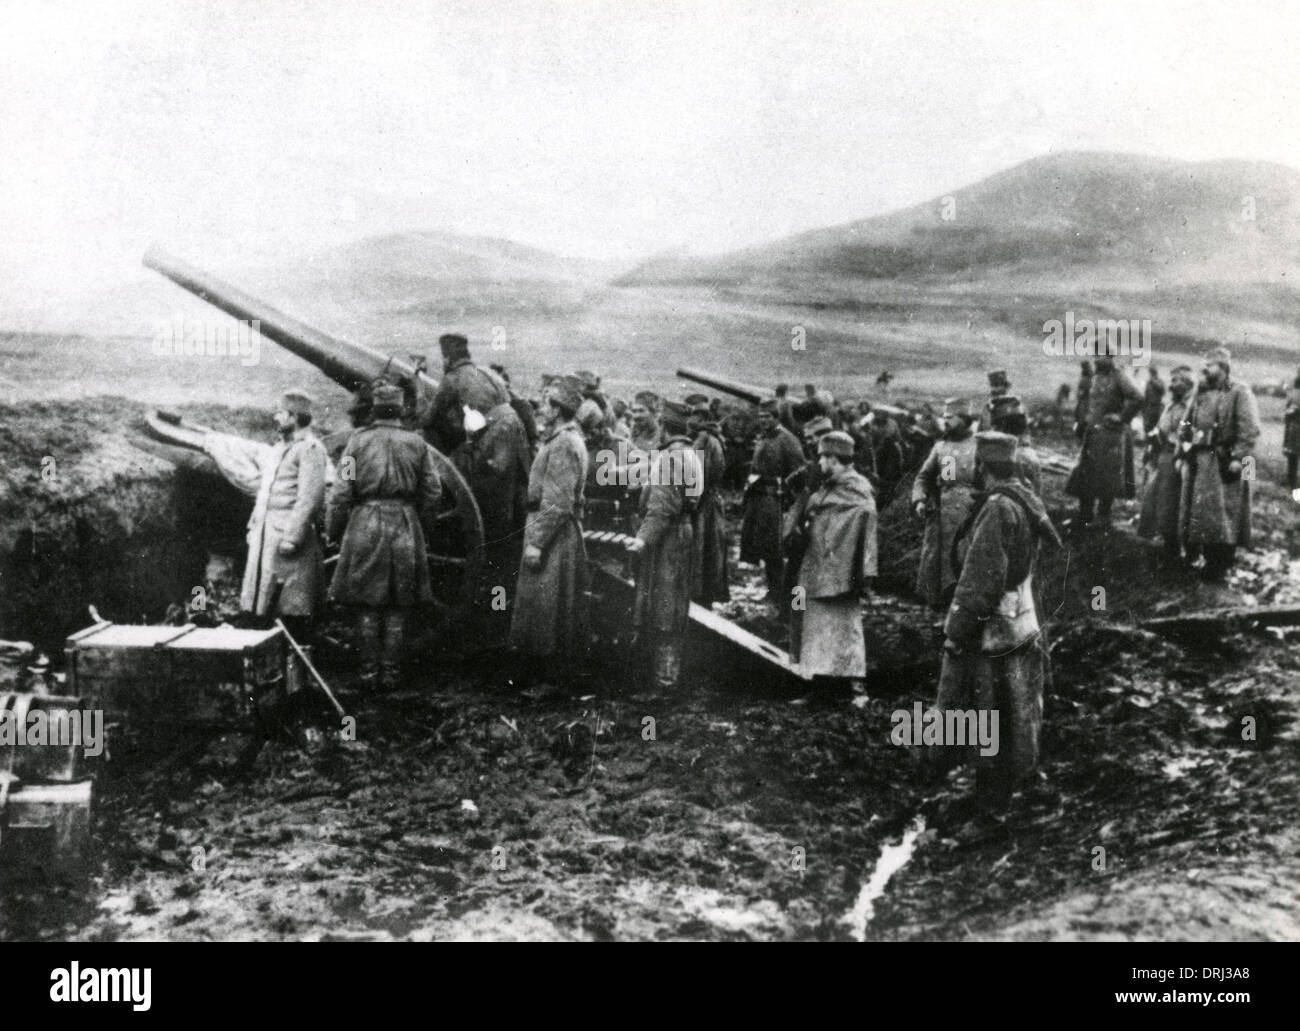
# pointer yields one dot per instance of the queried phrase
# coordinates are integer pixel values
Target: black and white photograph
(695, 471)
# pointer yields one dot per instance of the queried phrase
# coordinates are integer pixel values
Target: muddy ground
(755, 809)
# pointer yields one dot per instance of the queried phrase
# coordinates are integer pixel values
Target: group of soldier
(815, 477)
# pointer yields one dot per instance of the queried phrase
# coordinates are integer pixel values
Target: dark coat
(663, 579)
(464, 383)
(1291, 422)
(550, 616)
(495, 463)
(1105, 468)
(775, 458)
(711, 578)
(1159, 516)
(1214, 510)
(385, 496)
(946, 483)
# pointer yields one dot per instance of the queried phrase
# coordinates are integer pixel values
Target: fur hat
(837, 443)
(453, 346)
(589, 415)
(1221, 355)
(648, 399)
(818, 426)
(992, 446)
(566, 391)
(387, 400)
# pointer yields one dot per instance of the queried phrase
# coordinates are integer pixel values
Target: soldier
(800, 486)
(285, 573)
(473, 420)
(1159, 516)
(1153, 400)
(608, 502)
(1009, 417)
(646, 434)
(887, 448)
(814, 403)
(839, 562)
(776, 456)
(385, 500)
(785, 408)
(999, 386)
(664, 543)
(1105, 468)
(1218, 439)
(991, 659)
(711, 580)
(943, 495)
(1081, 398)
(550, 623)
(619, 424)
(1291, 432)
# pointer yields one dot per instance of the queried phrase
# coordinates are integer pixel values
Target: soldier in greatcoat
(943, 494)
(1217, 451)
(474, 420)
(839, 562)
(776, 455)
(1160, 503)
(663, 543)
(1105, 468)
(991, 659)
(711, 579)
(285, 573)
(383, 505)
(550, 624)
(1291, 432)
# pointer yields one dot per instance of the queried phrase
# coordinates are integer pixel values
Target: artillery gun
(456, 549)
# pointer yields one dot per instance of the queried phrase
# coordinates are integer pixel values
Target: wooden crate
(50, 762)
(45, 832)
(177, 675)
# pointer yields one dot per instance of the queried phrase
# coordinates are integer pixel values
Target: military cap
(816, 427)
(998, 378)
(453, 345)
(837, 443)
(1006, 401)
(1221, 355)
(589, 414)
(589, 380)
(992, 446)
(768, 405)
(957, 405)
(648, 399)
(566, 391)
(296, 402)
(674, 416)
(696, 400)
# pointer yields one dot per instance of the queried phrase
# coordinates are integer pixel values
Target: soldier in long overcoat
(943, 494)
(384, 502)
(777, 454)
(550, 622)
(474, 420)
(711, 579)
(991, 659)
(1105, 468)
(838, 565)
(663, 543)
(285, 573)
(1291, 432)
(1218, 441)
(1160, 503)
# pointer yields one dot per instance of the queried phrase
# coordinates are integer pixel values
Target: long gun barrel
(348, 364)
(728, 386)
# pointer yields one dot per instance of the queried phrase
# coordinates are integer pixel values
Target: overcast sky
(262, 129)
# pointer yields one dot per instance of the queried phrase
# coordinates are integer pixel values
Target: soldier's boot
(368, 649)
(391, 655)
